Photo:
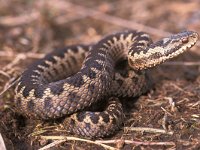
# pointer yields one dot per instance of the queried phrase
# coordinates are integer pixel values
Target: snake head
(163, 50)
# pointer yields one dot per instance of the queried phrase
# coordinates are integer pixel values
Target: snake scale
(69, 81)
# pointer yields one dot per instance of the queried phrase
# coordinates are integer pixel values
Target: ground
(167, 117)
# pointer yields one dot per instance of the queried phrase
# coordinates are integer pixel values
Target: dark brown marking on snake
(80, 116)
(108, 69)
(102, 52)
(60, 52)
(74, 49)
(51, 59)
(26, 92)
(36, 74)
(87, 125)
(73, 59)
(100, 57)
(166, 43)
(50, 75)
(76, 80)
(55, 71)
(140, 44)
(30, 105)
(72, 122)
(57, 88)
(120, 82)
(18, 101)
(39, 69)
(105, 117)
(91, 87)
(145, 38)
(63, 66)
(89, 73)
(114, 120)
(47, 103)
(103, 78)
(94, 118)
(39, 92)
(19, 87)
(155, 55)
(83, 55)
(172, 50)
(68, 64)
(72, 96)
(45, 64)
(91, 62)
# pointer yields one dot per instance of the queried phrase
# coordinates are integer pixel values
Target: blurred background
(29, 29)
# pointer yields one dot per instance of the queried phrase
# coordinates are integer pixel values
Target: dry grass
(167, 117)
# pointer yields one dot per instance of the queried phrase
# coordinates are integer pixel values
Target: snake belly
(68, 81)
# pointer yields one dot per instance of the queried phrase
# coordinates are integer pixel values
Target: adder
(69, 81)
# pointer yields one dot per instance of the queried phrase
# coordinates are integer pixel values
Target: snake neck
(114, 48)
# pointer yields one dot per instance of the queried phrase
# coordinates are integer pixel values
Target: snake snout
(189, 37)
(194, 37)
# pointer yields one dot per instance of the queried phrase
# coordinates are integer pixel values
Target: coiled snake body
(65, 82)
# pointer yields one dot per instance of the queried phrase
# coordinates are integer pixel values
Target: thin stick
(2, 144)
(19, 20)
(27, 55)
(176, 63)
(151, 130)
(67, 138)
(102, 143)
(134, 142)
(9, 85)
(52, 144)
(4, 74)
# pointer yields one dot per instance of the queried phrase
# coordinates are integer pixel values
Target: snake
(73, 81)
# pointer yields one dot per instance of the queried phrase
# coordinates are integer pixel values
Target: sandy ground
(167, 117)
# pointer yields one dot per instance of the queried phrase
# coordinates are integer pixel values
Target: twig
(176, 63)
(18, 58)
(151, 130)
(67, 138)
(60, 139)
(13, 82)
(52, 144)
(19, 20)
(27, 55)
(15, 61)
(5, 74)
(166, 111)
(65, 19)
(135, 142)
(2, 144)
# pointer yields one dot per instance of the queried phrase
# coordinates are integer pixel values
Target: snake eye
(185, 40)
